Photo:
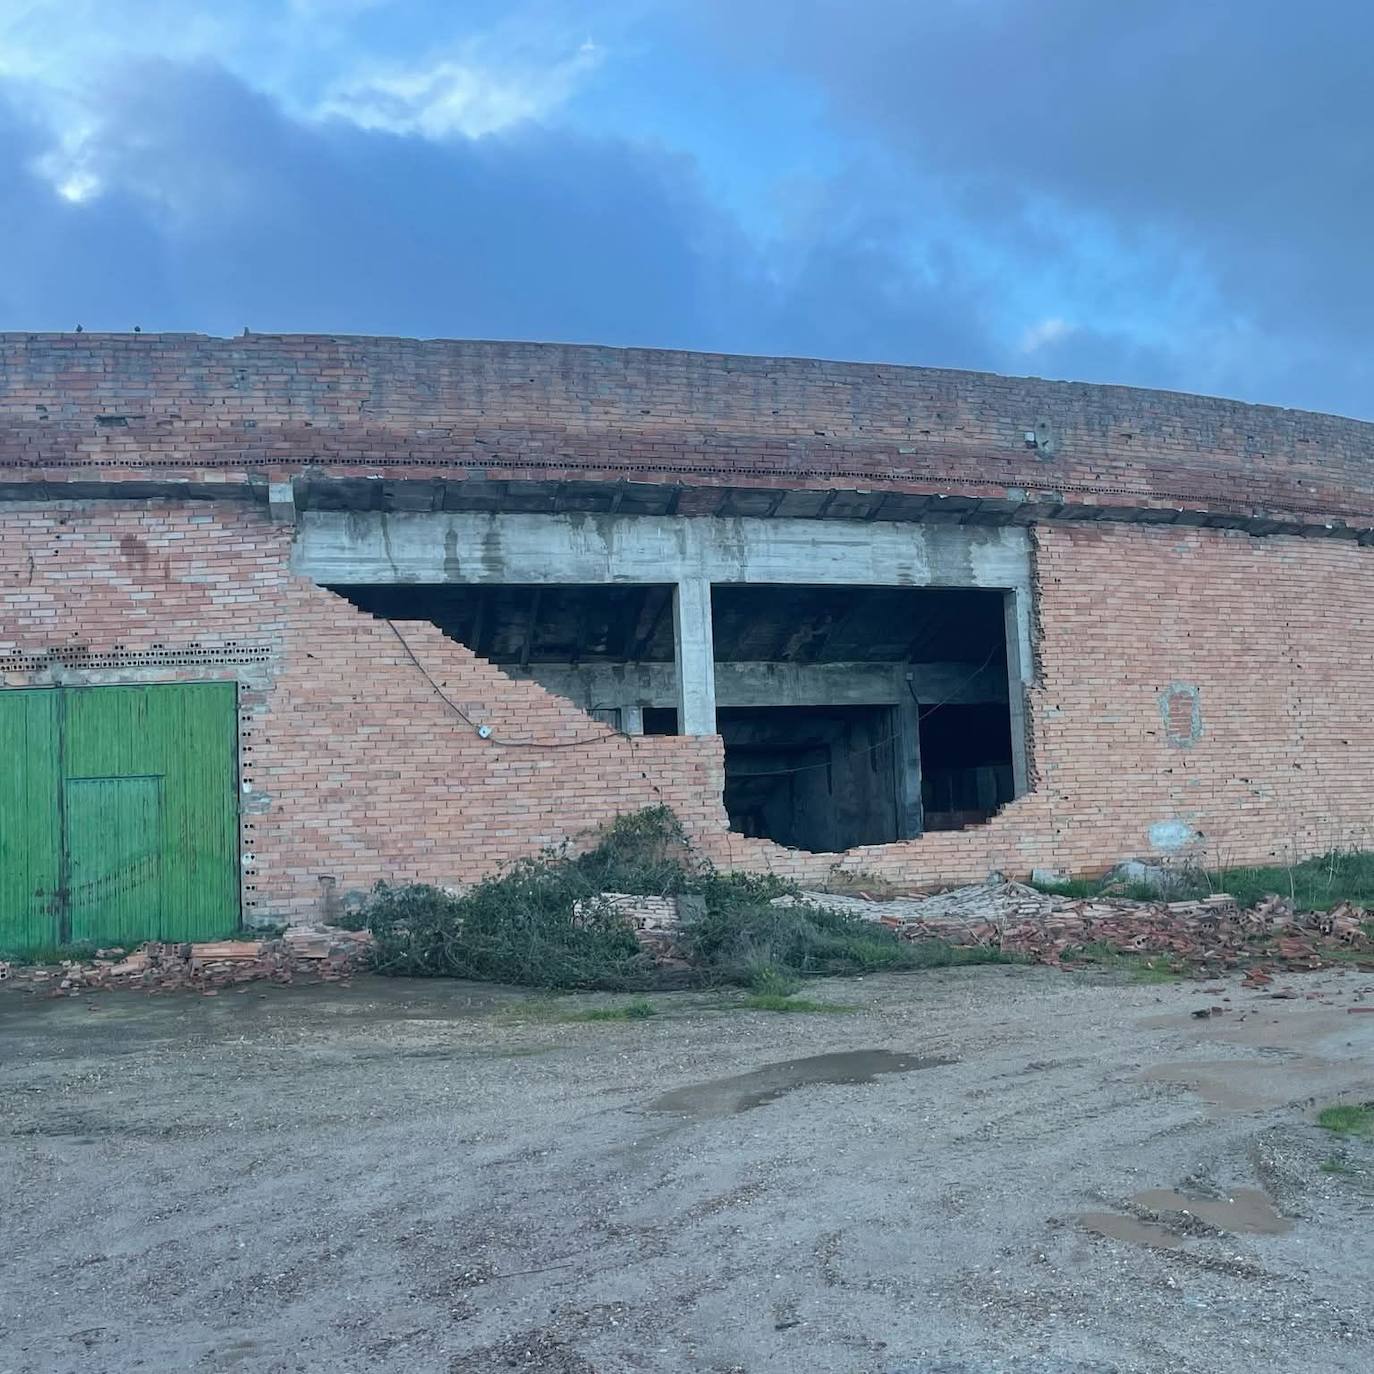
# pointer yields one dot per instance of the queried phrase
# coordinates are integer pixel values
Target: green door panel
(30, 833)
(118, 814)
(114, 858)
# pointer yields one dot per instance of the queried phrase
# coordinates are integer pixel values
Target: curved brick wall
(1198, 691)
(276, 403)
(360, 772)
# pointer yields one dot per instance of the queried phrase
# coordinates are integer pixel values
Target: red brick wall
(359, 771)
(121, 405)
(1274, 637)
(356, 768)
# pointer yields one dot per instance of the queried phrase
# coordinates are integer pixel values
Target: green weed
(772, 1001)
(766, 980)
(544, 923)
(82, 952)
(744, 938)
(1315, 884)
(1139, 967)
(1348, 1119)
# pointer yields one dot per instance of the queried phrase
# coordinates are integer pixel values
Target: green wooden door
(30, 820)
(121, 816)
(114, 858)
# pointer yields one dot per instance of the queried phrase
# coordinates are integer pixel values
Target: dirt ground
(435, 1176)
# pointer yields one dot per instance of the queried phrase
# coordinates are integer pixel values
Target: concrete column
(1018, 624)
(910, 815)
(632, 720)
(695, 655)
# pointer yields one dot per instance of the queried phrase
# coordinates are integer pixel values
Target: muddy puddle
(1236, 1085)
(1301, 1050)
(744, 1091)
(1247, 1211)
(1117, 1227)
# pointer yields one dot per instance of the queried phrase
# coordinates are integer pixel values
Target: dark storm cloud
(219, 211)
(1246, 129)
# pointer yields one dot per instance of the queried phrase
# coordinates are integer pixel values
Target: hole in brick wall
(861, 715)
(607, 648)
(819, 778)
(966, 764)
(828, 698)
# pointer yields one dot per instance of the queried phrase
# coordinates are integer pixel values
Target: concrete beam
(910, 809)
(498, 548)
(637, 685)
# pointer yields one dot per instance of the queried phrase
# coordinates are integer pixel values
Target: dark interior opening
(966, 763)
(878, 712)
(811, 777)
(660, 720)
(608, 648)
(519, 624)
(850, 715)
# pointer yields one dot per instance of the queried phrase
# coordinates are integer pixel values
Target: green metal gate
(118, 814)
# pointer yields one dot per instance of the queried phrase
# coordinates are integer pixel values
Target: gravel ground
(436, 1176)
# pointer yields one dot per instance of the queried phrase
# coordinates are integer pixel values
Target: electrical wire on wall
(485, 731)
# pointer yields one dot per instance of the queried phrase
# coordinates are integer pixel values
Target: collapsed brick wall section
(358, 771)
(135, 405)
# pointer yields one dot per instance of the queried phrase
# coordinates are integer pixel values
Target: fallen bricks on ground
(1210, 936)
(305, 954)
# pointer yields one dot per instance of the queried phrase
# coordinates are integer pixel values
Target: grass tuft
(82, 952)
(1348, 1119)
(1315, 884)
(1333, 1164)
(1139, 967)
(1071, 887)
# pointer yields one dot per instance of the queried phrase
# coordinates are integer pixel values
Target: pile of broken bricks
(302, 954)
(1210, 935)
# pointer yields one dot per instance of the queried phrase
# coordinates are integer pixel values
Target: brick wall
(127, 406)
(1267, 642)
(356, 769)
(1198, 689)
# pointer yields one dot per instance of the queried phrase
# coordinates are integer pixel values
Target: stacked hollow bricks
(359, 771)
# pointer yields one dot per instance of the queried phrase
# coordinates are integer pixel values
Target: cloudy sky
(1172, 193)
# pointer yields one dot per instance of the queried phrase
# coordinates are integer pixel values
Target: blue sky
(1171, 193)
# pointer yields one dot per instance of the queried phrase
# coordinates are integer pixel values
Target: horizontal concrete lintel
(602, 685)
(496, 548)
